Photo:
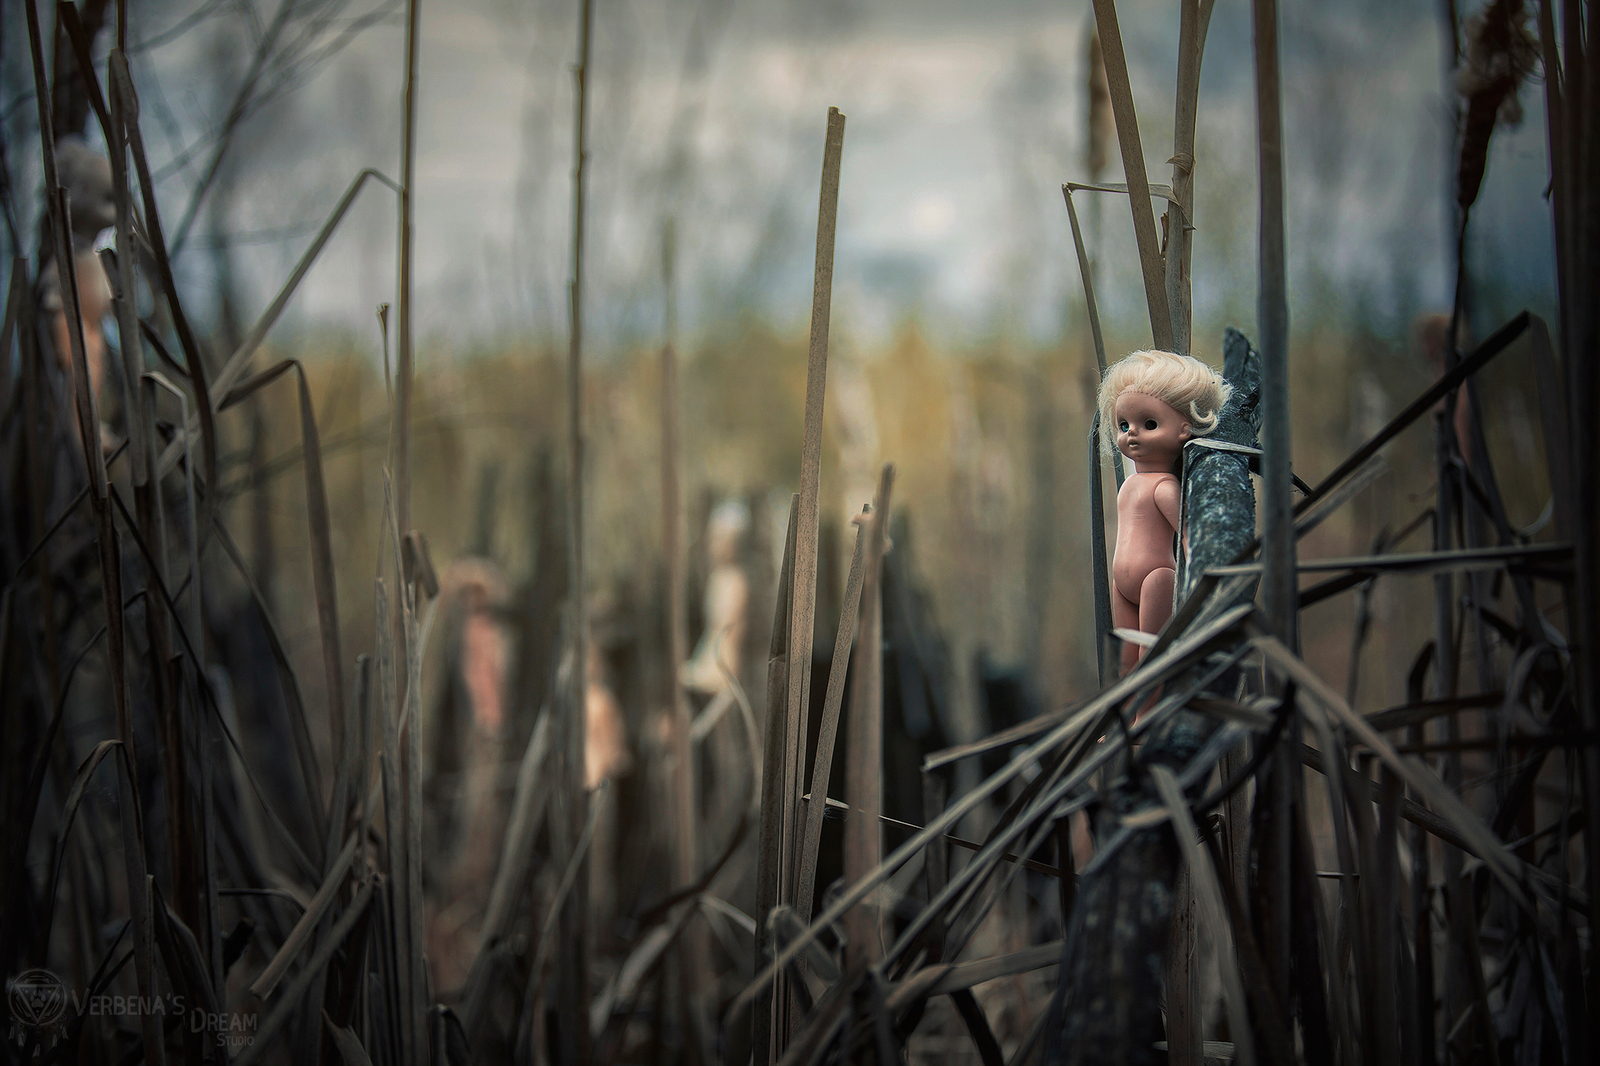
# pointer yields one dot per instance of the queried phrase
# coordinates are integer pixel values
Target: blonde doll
(1151, 403)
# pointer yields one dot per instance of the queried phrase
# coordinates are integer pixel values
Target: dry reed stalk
(1144, 219)
(1572, 94)
(1208, 894)
(148, 504)
(828, 728)
(548, 933)
(403, 311)
(1193, 20)
(1155, 669)
(265, 982)
(394, 836)
(1273, 316)
(803, 596)
(1087, 275)
(117, 68)
(1444, 801)
(693, 969)
(314, 967)
(769, 843)
(127, 312)
(411, 803)
(573, 987)
(863, 836)
(1272, 829)
(289, 682)
(109, 550)
(1184, 1009)
(528, 807)
(1086, 272)
(236, 113)
(1075, 760)
(34, 459)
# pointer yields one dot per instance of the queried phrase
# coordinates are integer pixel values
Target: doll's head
(1182, 382)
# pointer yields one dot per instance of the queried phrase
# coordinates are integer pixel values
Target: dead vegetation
(480, 815)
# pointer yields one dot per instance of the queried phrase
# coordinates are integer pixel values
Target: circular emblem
(38, 998)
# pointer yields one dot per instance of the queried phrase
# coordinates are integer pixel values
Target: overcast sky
(963, 120)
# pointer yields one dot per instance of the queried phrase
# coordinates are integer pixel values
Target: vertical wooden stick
(863, 835)
(692, 972)
(408, 162)
(673, 564)
(1278, 547)
(407, 761)
(573, 991)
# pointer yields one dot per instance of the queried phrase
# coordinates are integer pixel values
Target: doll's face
(1148, 431)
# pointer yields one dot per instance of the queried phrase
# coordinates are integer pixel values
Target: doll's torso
(1144, 532)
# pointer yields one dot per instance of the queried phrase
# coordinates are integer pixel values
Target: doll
(1151, 404)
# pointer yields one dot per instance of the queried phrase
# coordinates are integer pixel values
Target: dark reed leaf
(528, 807)
(1087, 276)
(548, 933)
(284, 836)
(41, 762)
(1496, 343)
(977, 1024)
(942, 978)
(293, 993)
(812, 1039)
(349, 1045)
(1413, 714)
(640, 962)
(1416, 774)
(117, 68)
(239, 361)
(322, 572)
(1151, 671)
(310, 776)
(262, 987)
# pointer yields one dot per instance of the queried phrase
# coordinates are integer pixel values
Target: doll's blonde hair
(1182, 382)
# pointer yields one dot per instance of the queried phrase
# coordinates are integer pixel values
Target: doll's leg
(1155, 600)
(1125, 615)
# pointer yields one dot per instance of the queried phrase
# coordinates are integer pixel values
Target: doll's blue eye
(1123, 425)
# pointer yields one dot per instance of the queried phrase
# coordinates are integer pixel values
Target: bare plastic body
(1151, 404)
(1143, 568)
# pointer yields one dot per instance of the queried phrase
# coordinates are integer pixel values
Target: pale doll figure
(1151, 404)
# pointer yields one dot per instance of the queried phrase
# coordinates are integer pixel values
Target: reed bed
(526, 822)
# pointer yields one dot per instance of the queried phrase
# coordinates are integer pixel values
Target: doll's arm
(1168, 500)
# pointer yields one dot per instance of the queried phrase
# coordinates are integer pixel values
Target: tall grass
(308, 835)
